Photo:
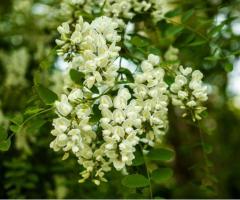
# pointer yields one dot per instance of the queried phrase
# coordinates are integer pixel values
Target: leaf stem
(33, 116)
(148, 174)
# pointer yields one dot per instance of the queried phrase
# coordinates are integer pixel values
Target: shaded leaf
(139, 160)
(197, 43)
(17, 119)
(187, 15)
(47, 96)
(3, 134)
(5, 145)
(77, 76)
(173, 13)
(161, 154)
(14, 128)
(135, 181)
(228, 67)
(162, 174)
(139, 41)
(96, 115)
(128, 74)
(173, 30)
(94, 89)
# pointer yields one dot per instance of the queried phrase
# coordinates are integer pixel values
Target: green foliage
(135, 181)
(127, 73)
(46, 95)
(161, 175)
(76, 76)
(161, 154)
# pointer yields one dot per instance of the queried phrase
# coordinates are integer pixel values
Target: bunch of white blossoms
(125, 9)
(92, 49)
(135, 116)
(189, 92)
(126, 120)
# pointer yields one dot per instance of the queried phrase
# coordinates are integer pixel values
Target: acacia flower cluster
(125, 9)
(103, 130)
(188, 91)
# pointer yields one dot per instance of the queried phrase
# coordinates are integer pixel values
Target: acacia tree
(131, 73)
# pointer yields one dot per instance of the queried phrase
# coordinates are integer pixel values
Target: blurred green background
(30, 169)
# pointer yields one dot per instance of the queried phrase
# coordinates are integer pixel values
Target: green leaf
(14, 128)
(135, 181)
(161, 175)
(17, 119)
(77, 76)
(96, 115)
(33, 110)
(173, 13)
(139, 160)
(161, 154)
(35, 124)
(187, 15)
(173, 30)
(216, 29)
(139, 41)
(5, 145)
(228, 67)
(47, 96)
(207, 148)
(3, 134)
(94, 89)
(197, 43)
(128, 74)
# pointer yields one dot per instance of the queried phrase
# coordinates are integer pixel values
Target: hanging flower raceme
(188, 92)
(118, 9)
(103, 130)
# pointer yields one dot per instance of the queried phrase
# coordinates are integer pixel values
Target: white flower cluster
(136, 115)
(74, 133)
(188, 91)
(121, 125)
(126, 120)
(92, 49)
(119, 8)
(151, 93)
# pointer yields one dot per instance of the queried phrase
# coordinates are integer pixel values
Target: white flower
(118, 164)
(140, 91)
(105, 102)
(75, 95)
(120, 102)
(61, 124)
(63, 106)
(197, 75)
(90, 82)
(146, 66)
(62, 139)
(185, 71)
(64, 28)
(124, 92)
(118, 133)
(118, 116)
(180, 80)
(153, 59)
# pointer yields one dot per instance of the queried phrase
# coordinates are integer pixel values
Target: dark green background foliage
(206, 161)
